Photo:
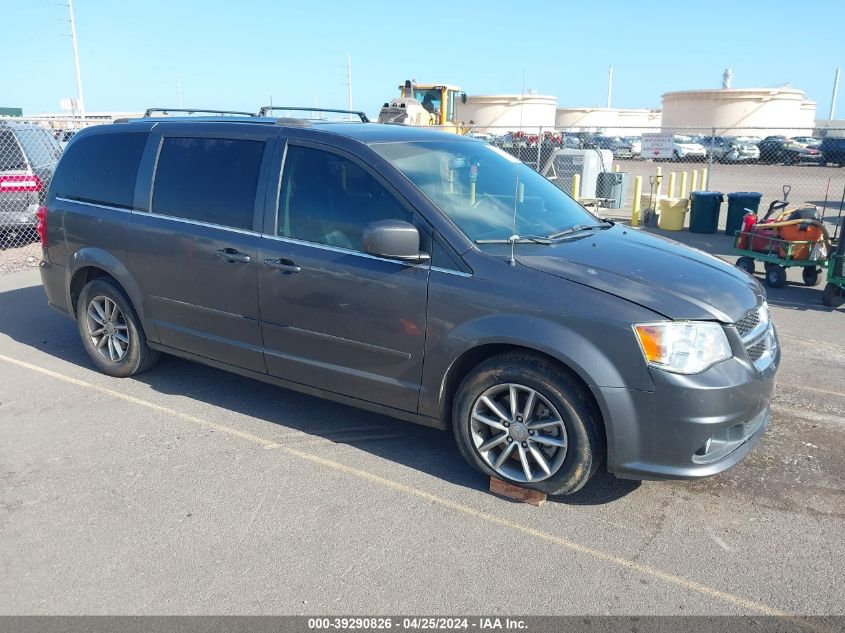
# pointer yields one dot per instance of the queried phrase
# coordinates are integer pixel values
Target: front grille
(755, 330)
(756, 351)
(748, 323)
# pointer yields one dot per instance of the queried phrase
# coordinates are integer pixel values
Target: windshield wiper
(518, 239)
(578, 228)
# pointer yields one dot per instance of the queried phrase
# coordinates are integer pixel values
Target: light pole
(79, 94)
(349, 80)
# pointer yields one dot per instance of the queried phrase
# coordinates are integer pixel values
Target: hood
(664, 276)
(695, 147)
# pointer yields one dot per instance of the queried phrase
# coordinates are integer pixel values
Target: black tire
(138, 356)
(776, 276)
(812, 276)
(833, 296)
(747, 264)
(585, 438)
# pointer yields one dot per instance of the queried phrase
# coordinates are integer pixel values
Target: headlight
(684, 347)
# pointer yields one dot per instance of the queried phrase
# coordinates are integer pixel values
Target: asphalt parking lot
(187, 490)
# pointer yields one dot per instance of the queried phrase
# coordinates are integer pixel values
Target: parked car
(616, 145)
(729, 150)
(376, 265)
(784, 150)
(570, 141)
(833, 150)
(28, 156)
(687, 148)
(807, 141)
(635, 143)
(63, 136)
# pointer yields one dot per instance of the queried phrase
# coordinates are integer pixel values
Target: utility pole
(349, 81)
(522, 100)
(609, 85)
(833, 97)
(179, 92)
(79, 94)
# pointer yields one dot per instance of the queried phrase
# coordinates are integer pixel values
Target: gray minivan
(423, 275)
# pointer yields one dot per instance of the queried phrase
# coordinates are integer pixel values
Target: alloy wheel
(107, 328)
(518, 433)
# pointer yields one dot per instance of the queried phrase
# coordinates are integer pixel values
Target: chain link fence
(601, 167)
(799, 165)
(29, 151)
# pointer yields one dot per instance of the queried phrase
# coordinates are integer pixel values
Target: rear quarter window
(101, 168)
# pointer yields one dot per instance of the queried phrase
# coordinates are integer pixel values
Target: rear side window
(101, 168)
(210, 180)
(10, 153)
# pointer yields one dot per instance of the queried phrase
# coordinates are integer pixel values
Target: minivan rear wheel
(524, 420)
(111, 331)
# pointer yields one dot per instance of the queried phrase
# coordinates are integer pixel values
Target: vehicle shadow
(26, 318)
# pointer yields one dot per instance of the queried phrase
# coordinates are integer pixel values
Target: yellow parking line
(816, 389)
(593, 552)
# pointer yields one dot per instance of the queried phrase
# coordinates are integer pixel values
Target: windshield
(684, 139)
(478, 187)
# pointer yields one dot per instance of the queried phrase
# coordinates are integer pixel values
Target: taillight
(41, 225)
(17, 183)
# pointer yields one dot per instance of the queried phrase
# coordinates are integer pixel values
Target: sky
(238, 55)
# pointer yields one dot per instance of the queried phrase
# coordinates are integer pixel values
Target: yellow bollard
(658, 190)
(672, 185)
(704, 176)
(576, 185)
(683, 185)
(616, 167)
(694, 186)
(638, 192)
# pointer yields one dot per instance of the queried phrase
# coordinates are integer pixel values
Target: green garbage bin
(738, 202)
(704, 211)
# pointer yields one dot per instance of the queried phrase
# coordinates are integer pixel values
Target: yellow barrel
(672, 213)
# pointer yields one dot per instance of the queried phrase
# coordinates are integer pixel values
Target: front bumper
(689, 426)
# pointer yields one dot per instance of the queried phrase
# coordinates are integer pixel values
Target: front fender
(603, 354)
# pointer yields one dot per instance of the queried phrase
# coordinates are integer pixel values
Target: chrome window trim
(96, 205)
(198, 223)
(340, 249)
(450, 271)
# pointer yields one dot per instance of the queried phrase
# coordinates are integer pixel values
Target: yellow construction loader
(424, 104)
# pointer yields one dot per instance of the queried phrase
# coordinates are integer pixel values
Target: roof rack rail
(149, 112)
(267, 109)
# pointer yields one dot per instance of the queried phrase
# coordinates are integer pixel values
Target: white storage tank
(761, 111)
(611, 121)
(508, 113)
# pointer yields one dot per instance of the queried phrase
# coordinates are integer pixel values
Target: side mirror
(463, 97)
(394, 239)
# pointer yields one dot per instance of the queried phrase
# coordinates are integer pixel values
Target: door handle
(285, 265)
(233, 256)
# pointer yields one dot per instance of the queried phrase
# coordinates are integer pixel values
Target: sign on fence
(657, 145)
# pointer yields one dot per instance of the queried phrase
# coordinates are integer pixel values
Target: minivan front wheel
(522, 419)
(111, 331)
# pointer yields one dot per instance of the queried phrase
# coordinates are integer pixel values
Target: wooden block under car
(524, 495)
